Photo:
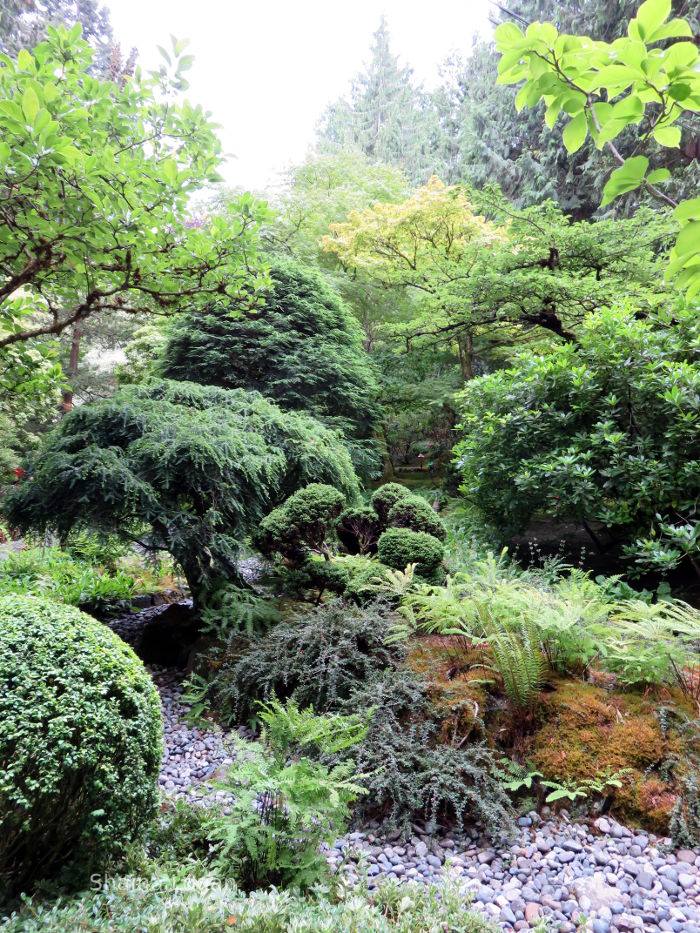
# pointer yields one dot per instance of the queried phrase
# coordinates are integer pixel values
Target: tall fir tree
(386, 117)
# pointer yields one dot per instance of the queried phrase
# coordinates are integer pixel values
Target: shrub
(302, 523)
(414, 512)
(604, 429)
(179, 467)
(358, 529)
(317, 659)
(286, 804)
(399, 547)
(80, 743)
(386, 497)
(409, 772)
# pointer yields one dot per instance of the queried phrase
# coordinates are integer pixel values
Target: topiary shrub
(358, 529)
(301, 524)
(415, 513)
(317, 659)
(80, 744)
(399, 547)
(386, 497)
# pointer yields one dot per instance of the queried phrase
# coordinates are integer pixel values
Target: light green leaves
(626, 178)
(668, 136)
(30, 104)
(575, 132)
(606, 87)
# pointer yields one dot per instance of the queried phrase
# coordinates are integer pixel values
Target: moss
(584, 732)
(457, 693)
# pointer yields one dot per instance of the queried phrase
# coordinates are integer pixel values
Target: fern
(518, 658)
(285, 805)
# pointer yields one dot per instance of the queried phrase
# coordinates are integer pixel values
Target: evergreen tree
(302, 348)
(386, 117)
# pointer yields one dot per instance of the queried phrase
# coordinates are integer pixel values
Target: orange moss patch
(585, 732)
(457, 690)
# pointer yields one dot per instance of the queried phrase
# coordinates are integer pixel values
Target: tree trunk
(72, 367)
(465, 345)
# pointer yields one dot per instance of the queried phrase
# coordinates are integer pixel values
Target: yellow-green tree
(504, 277)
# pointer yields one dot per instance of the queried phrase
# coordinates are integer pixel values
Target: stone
(532, 912)
(687, 856)
(645, 880)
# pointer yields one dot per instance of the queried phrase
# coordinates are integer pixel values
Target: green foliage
(167, 899)
(237, 610)
(414, 512)
(358, 529)
(518, 658)
(285, 804)
(80, 744)
(655, 643)
(602, 430)
(303, 523)
(398, 547)
(317, 659)
(410, 773)
(57, 574)
(606, 87)
(302, 348)
(386, 497)
(483, 274)
(98, 176)
(178, 467)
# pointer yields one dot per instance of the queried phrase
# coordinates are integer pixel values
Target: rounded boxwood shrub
(386, 497)
(399, 547)
(80, 744)
(301, 523)
(415, 513)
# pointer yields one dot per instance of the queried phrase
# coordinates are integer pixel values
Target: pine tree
(386, 118)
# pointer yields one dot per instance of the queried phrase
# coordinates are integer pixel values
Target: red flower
(19, 472)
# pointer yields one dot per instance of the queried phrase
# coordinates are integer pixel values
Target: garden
(349, 531)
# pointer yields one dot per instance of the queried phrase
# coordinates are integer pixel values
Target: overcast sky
(268, 68)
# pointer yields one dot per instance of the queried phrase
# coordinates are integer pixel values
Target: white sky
(268, 68)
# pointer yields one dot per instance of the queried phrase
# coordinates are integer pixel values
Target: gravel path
(602, 878)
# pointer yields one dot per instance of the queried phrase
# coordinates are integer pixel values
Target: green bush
(411, 773)
(399, 547)
(318, 659)
(302, 523)
(386, 497)
(414, 512)
(601, 430)
(80, 744)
